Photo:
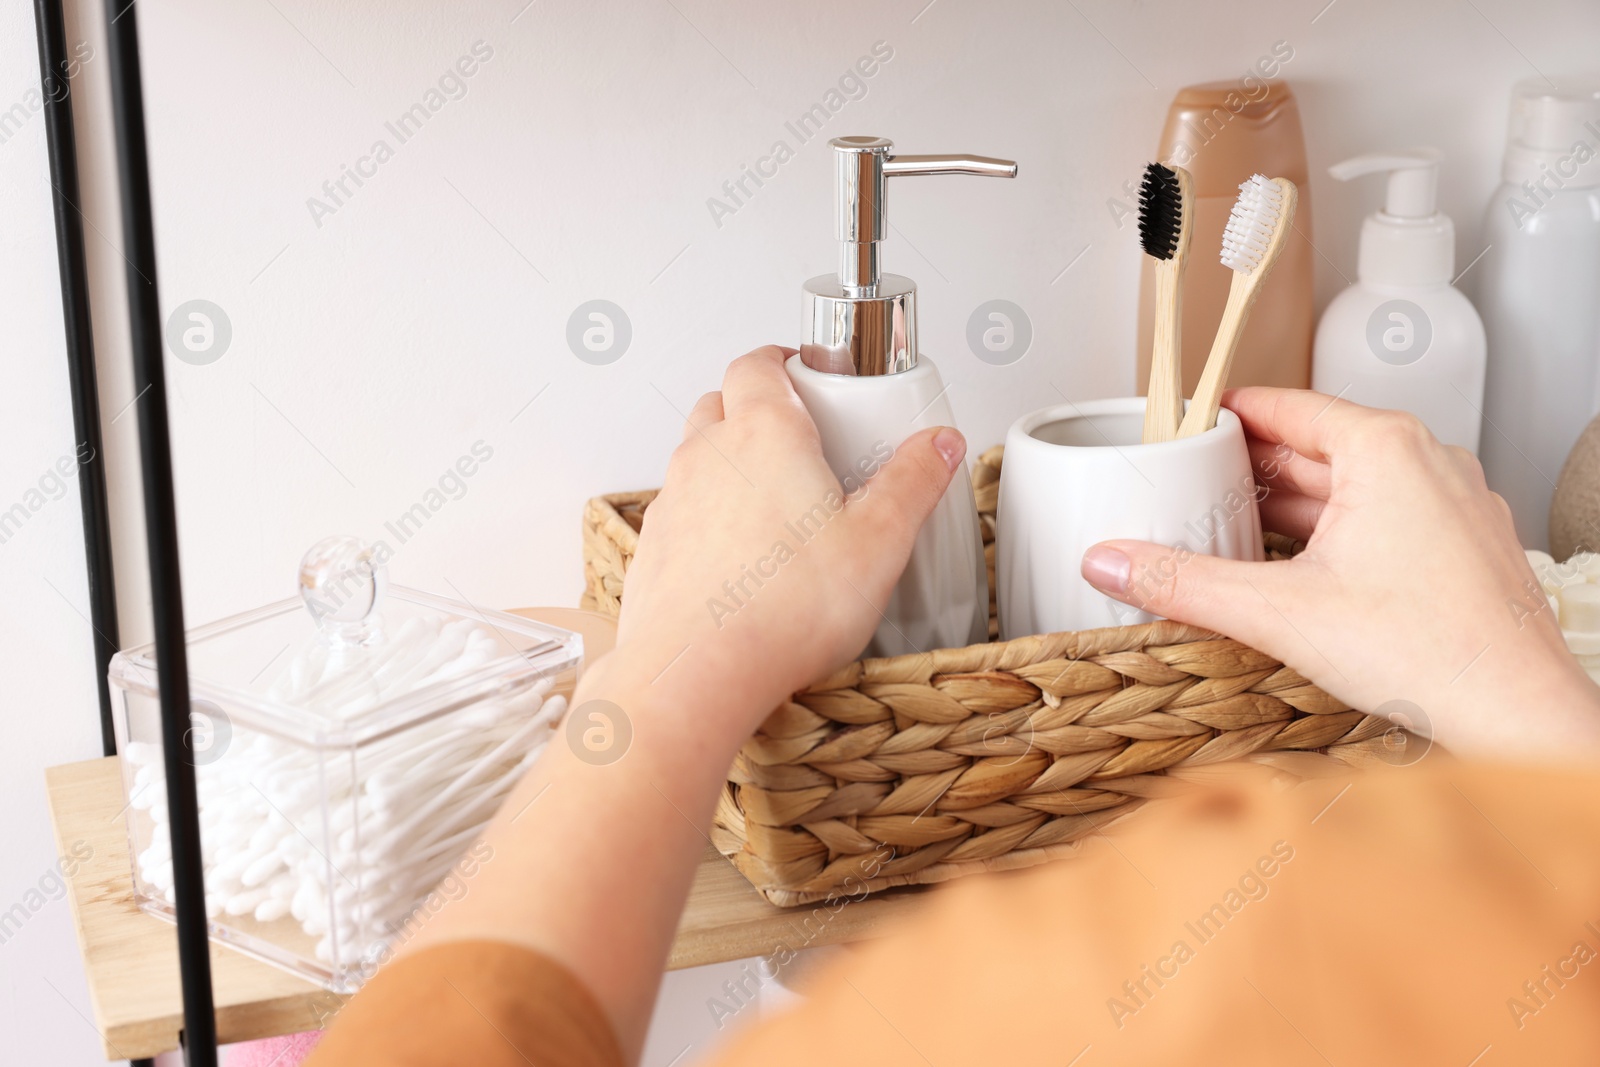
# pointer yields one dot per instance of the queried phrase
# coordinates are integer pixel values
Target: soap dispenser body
(860, 373)
(1409, 349)
(942, 598)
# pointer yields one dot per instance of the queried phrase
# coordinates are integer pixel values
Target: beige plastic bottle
(1223, 132)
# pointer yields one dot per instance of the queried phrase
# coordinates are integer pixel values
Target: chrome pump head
(862, 321)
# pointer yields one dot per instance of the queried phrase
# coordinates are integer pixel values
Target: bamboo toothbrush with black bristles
(1166, 215)
(1256, 230)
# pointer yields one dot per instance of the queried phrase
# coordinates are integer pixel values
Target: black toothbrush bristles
(1160, 211)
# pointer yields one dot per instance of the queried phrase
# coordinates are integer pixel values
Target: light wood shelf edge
(131, 959)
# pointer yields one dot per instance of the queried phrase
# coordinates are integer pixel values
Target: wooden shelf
(131, 958)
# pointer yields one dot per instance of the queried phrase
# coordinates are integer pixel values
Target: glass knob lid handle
(342, 582)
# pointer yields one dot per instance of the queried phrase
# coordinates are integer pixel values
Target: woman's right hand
(1412, 585)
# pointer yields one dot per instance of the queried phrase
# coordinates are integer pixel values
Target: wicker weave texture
(920, 768)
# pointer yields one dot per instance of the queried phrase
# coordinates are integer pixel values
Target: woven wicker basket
(921, 768)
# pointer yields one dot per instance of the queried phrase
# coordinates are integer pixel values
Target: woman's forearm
(591, 858)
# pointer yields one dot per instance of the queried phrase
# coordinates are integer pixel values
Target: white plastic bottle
(1402, 337)
(860, 375)
(1538, 289)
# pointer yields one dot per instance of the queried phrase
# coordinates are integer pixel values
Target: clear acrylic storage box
(348, 745)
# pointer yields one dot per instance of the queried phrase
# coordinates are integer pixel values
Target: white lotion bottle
(867, 387)
(1402, 337)
(1538, 289)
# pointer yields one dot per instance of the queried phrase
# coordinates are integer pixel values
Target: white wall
(50, 714)
(370, 351)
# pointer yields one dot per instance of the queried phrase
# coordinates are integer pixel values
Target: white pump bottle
(1538, 287)
(1402, 336)
(867, 387)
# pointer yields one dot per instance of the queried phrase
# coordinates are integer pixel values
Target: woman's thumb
(903, 493)
(1224, 595)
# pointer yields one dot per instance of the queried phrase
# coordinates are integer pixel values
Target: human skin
(1408, 572)
(1412, 585)
(592, 862)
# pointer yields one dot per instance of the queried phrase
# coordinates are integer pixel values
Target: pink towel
(287, 1051)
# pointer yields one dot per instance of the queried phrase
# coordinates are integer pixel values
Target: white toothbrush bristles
(1255, 215)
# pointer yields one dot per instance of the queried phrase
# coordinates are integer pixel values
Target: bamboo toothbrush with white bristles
(1166, 215)
(1256, 230)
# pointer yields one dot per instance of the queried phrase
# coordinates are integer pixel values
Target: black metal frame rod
(161, 531)
(62, 148)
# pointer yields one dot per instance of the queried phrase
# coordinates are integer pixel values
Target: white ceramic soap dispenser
(1402, 337)
(867, 388)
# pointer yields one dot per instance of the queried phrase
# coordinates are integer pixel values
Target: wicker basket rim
(985, 656)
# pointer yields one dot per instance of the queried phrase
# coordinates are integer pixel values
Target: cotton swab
(280, 822)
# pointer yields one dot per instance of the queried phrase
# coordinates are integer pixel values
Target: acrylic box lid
(353, 659)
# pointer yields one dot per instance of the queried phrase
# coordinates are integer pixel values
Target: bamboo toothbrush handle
(1207, 400)
(1242, 293)
(1163, 405)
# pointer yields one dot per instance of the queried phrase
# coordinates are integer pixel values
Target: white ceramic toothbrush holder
(1077, 474)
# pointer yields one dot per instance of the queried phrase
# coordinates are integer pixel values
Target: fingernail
(951, 445)
(1107, 569)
